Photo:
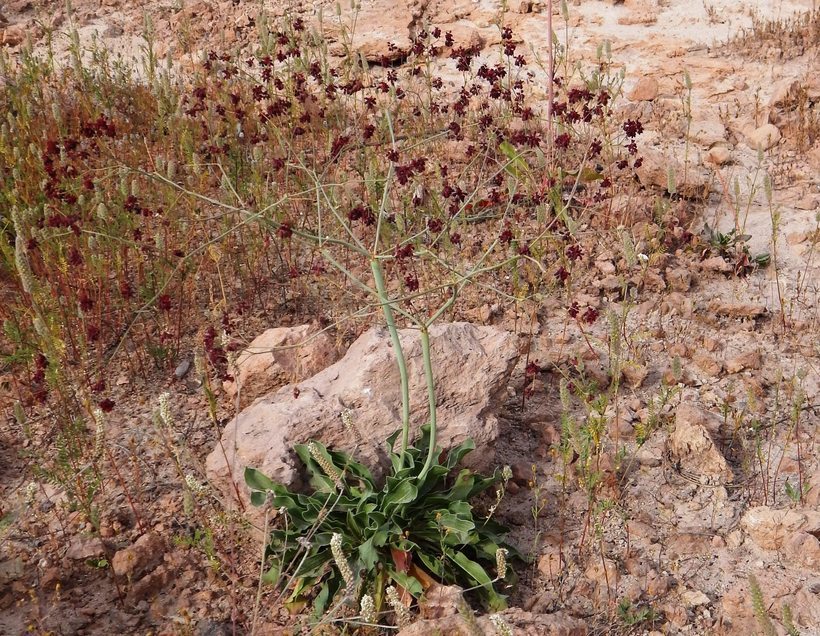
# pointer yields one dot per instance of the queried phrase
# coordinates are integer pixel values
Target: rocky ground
(709, 473)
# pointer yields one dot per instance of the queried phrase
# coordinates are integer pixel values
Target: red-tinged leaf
(401, 559)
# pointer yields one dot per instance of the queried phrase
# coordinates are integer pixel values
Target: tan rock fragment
(710, 365)
(738, 310)
(679, 279)
(645, 90)
(140, 557)
(634, 374)
(764, 137)
(13, 35)
(677, 168)
(691, 446)
(277, 357)
(804, 548)
(716, 264)
(770, 528)
(747, 360)
(718, 155)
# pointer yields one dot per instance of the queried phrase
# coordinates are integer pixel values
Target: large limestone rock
(382, 28)
(693, 449)
(277, 357)
(471, 364)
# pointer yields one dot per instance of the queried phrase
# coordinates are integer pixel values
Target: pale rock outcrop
(471, 365)
(277, 357)
(382, 28)
(692, 446)
(771, 528)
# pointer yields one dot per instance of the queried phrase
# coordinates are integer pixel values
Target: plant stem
(381, 289)
(431, 396)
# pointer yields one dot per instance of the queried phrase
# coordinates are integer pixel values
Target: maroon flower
(106, 405)
(633, 127)
(590, 315)
(285, 231)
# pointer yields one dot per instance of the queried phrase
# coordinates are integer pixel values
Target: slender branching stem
(389, 319)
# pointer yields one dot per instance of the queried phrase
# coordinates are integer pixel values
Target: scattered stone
(521, 6)
(13, 35)
(694, 598)
(657, 584)
(440, 601)
(671, 377)
(707, 132)
(140, 557)
(645, 90)
(769, 527)
(83, 548)
(634, 374)
(521, 472)
(182, 369)
(604, 574)
(718, 155)
(605, 266)
(551, 563)
(382, 32)
(692, 447)
(113, 31)
(10, 570)
(521, 623)
(472, 365)
(50, 578)
(764, 138)
(716, 264)
(710, 365)
(150, 584)
(465, 36)
(804, 548)
(738, 310)
(645, 17)
(679, 279)
(280, 356)
(747, 360)
(660, 168)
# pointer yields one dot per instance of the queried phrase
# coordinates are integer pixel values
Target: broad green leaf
(272, 575)
(398, 493)
(463, 485)
(435, 565)
(461, 528)
(516, 167)
(257, 480)
(368, 555)
(457, 454)
(473, 570)
(408, 582)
